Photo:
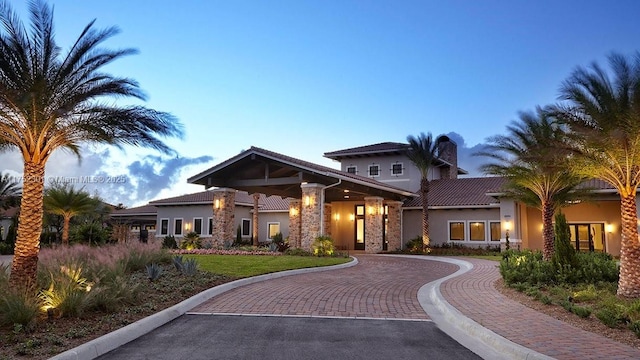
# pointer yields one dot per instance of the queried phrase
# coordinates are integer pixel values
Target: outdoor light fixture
(307, 200)
(507, 227)
(216, 204)
(609, 228)
(187, 226)
(352, 217)
(293, 211)
(336, 217)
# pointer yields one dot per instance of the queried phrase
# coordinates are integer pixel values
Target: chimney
(448, 152)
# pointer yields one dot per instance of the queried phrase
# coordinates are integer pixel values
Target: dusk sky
(307, 77)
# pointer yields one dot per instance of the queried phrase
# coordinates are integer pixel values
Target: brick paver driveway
(378, 287)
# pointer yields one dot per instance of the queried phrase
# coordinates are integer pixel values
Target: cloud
(466, 160)
(111, 176)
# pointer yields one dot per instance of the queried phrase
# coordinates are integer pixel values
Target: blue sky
(308, 77)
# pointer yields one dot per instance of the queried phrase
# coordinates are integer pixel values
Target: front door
(359, 230)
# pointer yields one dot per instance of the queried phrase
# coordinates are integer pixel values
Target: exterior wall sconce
(187, 226)
(381, 210)
(293, 211)
(336, 217)
(308, 201)
(216, 204)
(352, 217)
(371, 210)
(507, 227)
(609, 228)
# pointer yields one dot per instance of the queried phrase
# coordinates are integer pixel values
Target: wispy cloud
(466, 160)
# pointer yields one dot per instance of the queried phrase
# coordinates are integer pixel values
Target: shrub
(581, 311)
(191, 241)
(67, 292)
(18, 307)
(281, 244)
(564, 253)
(6, 248)
(611, 315)
(526, 267)
(190, 267)
(323, 246)
(91, 233)
(169, 242)
(635, 327)
(154, 271)
(113, 294)
(415, 244)
(178, 262)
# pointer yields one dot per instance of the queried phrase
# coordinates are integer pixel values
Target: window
(477, 231)
(164, 226)
(210, 226)
(374, 170)
(135, 227)
(495, 229)
(246, 227)
(273, 229)
(352, 169)
(177, 228)
(397, 169)
(456, 231)
(150, 227)
(197, 225)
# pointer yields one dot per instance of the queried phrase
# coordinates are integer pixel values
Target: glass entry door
(588, 237)
(359, 230)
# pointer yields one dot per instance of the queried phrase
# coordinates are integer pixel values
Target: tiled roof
(368, 149)
(463, 192)
(596, 184)
(138, 210)
(242, 197)
(10, 212)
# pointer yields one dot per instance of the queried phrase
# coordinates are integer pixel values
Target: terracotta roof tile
(242, 197)
(368, 149)
(144, 209)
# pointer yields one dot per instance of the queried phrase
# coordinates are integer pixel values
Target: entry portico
(323, 201)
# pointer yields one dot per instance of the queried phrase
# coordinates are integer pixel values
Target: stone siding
(294, 222)
(373, 224)
(328, 216)
(394, 218)
(310, 214)
(224, 203)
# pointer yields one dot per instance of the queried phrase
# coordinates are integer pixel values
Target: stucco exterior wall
(439, 224)
(606, 211)
(265, 218)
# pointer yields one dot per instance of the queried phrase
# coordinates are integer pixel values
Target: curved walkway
(378, 287)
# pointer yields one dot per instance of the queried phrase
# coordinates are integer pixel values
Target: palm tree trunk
(25, 258)
(424, 195)
(629, 283)
(256, 198)
(547, 233)
(65, 229)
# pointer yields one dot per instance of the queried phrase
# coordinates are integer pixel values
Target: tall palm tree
(67, 202)
(603, 110)
(52, 100)
(533, 157)
(10, 191)
(422, 152)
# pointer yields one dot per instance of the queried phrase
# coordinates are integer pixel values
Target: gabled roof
(460, 193)
(262, 171)
(138, 210)
(242, 198)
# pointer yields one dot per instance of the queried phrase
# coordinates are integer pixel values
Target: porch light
(336, 217)
(352, 217)
(187, 226)
(371, 210)
(609, 228)
(381, 210)
(307, 200)
(507, 225)
(216, 204)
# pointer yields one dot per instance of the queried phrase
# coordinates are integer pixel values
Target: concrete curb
(115, 339)
(467, 332)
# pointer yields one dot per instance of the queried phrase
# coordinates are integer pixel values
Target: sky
(308, 77)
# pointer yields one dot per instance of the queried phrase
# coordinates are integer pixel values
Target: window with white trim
(374, 170)
(246, 227)
(197, 225)
(496, 230)
(397, 169)
(352, 169)
(456, 231)
(177, 226)
(272, 229)
(477, 231)
(164, 226)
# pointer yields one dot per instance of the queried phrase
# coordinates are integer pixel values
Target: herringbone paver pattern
(475, 295)
(378, 287)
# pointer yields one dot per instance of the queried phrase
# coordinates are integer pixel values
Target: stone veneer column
(224, 203)
(256, 198)
(373, 212)
(328, 213)
(394, 233)
(310, 214)
(294, 223)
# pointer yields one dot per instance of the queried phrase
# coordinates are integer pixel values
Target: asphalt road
(282, 338)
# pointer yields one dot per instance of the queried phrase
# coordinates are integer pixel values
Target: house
(371, 203)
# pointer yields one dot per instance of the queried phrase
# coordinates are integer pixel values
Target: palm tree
(533, 157)
(67, 202)
(52, 100)
(604, 111)
(10, 191)
(422, 152)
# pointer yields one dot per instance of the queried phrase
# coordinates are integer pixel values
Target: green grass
(252, 265)
(488, 257)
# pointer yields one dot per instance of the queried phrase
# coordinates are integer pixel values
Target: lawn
(251, 265)
(488, 257)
